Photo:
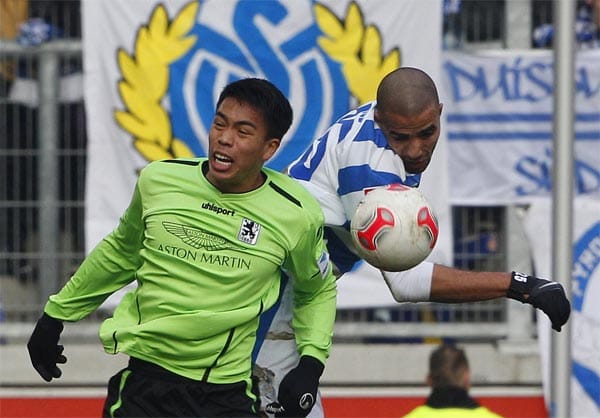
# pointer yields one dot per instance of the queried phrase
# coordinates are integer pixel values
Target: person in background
(449, 378)
(207, 240)
(390, 140)
(452, 25)
(12, 14)
(594, 6)
(587, 27)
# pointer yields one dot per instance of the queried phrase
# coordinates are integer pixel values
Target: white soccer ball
(394, 227)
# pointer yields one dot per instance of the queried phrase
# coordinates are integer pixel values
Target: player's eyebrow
(428, 129)
(425, 131)
(237, 122)
(399, 136)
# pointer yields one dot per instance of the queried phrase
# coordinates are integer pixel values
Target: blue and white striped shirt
(352, 155)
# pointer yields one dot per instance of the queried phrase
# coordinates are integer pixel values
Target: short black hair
(407, 91)
(265, 97)
(447, 364)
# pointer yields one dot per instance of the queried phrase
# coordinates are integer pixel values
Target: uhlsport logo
(323, 63)
(218, 209)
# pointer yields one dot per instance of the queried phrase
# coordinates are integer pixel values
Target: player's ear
(440, 108)
(271, 146)
(466, 379)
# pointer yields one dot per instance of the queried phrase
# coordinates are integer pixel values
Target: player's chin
(416, 167)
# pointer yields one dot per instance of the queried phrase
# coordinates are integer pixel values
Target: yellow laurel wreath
(358, 48)
(145, 82)
(146, 72)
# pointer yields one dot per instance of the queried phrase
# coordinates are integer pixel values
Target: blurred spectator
(450, 380)
(452, 29)
(594, 5)
(587, 27)
(36, 31)
(12, 14)
(63, 15)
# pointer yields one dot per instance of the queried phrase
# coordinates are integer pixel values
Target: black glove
(542, 294)
(298, 389)
(43, 347)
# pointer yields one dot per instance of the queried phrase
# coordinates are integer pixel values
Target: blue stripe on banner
(499, 136)
(588, 117)
(516, 136)
(589, 380)
(588, 136)
(487, 119)
(499, 117)
(515, 117)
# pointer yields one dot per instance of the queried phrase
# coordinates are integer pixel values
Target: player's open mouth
(222, 160)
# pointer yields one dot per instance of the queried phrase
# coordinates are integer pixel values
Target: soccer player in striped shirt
(390, 140)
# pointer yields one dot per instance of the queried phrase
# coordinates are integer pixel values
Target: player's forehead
(405, 123)
(238, 111)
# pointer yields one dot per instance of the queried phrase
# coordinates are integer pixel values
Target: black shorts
(146, 390)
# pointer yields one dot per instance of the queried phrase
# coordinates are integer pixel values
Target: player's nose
(226, 137)
(412, 149)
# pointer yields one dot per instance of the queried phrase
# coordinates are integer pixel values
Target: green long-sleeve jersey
(207, 264)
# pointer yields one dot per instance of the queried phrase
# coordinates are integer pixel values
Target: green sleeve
(315, 295)
(109, 267)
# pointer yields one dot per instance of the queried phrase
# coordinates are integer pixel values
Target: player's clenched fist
(542, 294)
(44, 351)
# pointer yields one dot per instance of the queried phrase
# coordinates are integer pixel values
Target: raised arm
(438, 283)
(453, 285)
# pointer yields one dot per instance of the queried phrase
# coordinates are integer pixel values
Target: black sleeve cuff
(51, 324)
(313, 365)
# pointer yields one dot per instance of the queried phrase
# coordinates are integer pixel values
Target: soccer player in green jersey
(207, 240)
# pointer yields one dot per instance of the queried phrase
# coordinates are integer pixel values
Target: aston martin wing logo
(194, 237)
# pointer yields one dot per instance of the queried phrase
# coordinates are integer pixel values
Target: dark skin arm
(454, 285)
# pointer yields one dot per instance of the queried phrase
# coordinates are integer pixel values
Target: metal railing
(42, 155)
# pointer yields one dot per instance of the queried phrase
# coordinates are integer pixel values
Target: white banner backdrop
(585, 317)
(154, 69)
(499, 125)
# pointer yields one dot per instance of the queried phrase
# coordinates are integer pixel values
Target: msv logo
(171, 82)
